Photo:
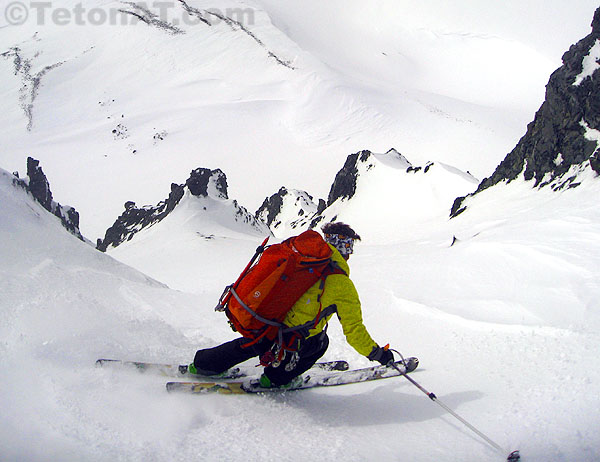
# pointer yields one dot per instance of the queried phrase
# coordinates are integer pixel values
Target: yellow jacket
(338, 290)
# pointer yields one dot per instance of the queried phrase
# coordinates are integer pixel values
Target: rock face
(371, 189)
(344, 185)
(134, 219)
(563, 139)
(202, 183)
(286, 209)
(292, 209)
(272, 207)
(38, 186)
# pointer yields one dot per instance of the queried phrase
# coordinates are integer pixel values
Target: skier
(338, 290)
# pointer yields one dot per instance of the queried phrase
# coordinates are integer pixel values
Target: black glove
(383, 355)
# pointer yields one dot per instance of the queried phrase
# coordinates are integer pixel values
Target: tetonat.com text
(172, 14)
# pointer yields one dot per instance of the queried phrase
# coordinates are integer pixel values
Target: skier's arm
(340, 290)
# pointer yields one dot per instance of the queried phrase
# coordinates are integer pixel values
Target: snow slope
(505, 322)
(500, 304)
(111, 111)
(181, 249)
(395, 200)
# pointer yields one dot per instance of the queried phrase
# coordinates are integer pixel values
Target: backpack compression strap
(302, 329)
(229, 289)
(254, 313)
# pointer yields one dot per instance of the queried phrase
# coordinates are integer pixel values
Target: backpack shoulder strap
(335, 268)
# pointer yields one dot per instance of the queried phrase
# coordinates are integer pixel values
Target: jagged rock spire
(564, 133)
(38, 186)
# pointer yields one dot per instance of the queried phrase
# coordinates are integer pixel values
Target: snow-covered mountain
(390, 198)
(285, 210)
(561, 145)
(174, 239)
(113, 109)
(208, 208)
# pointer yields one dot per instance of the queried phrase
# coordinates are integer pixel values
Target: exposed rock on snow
(38, 186)
(371, 188)
(563, 127)
(30, 82)
(152, 19)
(285, 209)
(202, 183)
(134, 219)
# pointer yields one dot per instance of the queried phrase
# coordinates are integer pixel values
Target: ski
(181, 370)
(309, 380)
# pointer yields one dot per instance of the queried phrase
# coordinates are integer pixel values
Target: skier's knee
(207, 364)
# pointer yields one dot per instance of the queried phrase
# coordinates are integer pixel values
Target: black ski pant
(212, 361)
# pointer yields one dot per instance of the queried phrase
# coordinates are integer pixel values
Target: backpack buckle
(272, 357)
(267, 358)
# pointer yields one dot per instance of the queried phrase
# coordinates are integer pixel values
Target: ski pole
(513, 456)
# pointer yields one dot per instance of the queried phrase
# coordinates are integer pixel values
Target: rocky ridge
(282, 213)
(37, 184)
(564, 138)
(286, 208)
(202, 183)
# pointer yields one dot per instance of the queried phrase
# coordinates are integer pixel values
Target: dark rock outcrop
(38, 186)
(134, 219)
(202, 183)
(344, 185)
(556, 140)
(202, 178)
(292, 206)
(271, 207)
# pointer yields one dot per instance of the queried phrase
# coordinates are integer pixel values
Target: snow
(395, 203)
(500, 304)
(590, 133)
(295, 205)
(504, 321)
(450, 83)
(589, 64)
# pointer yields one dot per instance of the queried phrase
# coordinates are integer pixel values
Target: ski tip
(514, 456)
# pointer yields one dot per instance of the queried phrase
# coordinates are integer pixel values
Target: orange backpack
(257, 303)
